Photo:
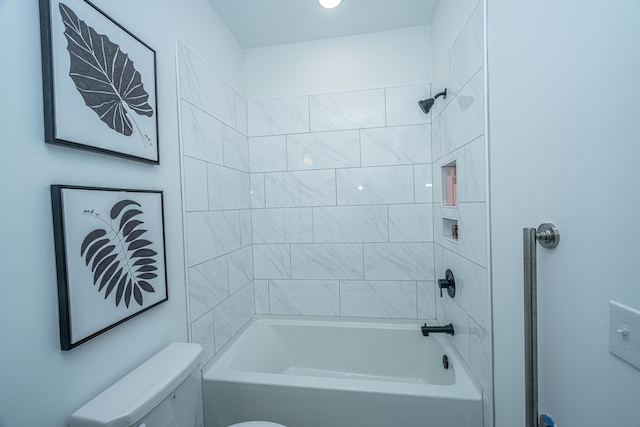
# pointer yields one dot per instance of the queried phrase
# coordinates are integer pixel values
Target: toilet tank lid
(135, 395)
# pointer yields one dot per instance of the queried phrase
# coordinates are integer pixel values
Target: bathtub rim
(219, 368)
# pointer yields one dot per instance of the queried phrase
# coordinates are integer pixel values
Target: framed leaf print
(99, 83)
(110, 258)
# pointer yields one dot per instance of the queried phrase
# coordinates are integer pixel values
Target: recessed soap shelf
(450, 228)
(449, 184)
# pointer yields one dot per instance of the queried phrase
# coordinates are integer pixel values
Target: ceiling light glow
(329, 4)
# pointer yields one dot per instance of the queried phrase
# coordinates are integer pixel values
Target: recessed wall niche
(449, 184)
(450, 228)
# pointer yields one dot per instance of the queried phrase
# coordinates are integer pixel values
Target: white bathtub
(322, 372)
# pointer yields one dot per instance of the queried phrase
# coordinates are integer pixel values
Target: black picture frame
(99, 83)
(110, 258)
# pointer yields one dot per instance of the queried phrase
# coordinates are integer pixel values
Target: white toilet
(165, 391)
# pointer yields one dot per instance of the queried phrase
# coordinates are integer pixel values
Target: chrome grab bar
(549, 237)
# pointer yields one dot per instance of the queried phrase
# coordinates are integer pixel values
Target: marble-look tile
(240, 268)
(375, 185)
(201, 134)
(480, 354)
(423, 177)
(475, 172)
(463, 120)
(202, 333)
(268, 153)
(257, 191)
(208, 285)
(400, 145)
(233, 314)
(236, 149)
(195, 185)
(426, 300)
(438, 192)
(436, 138)
(204, 88)
(447, 145)
(350, 224)
(391, 299)
(472, 286)
(278, 116)
(472, 228)
(440, 81)
(271, 261)
(467, 54)
(289, 225)
(305, 297)
(450, 312)
(228, 188)
(348, 110)
(398, 261)
(323, 150)
(298, 189)
(211, 234)
(242, 121)
(326, 261)
(439, 261)
(402, 105)
(411, 223)
(262, 296)
(246, 229)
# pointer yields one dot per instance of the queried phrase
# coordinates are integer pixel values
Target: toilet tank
(165, 391)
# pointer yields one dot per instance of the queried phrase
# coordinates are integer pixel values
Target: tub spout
(446, 329)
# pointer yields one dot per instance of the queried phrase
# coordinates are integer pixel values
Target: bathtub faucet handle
(448, 283)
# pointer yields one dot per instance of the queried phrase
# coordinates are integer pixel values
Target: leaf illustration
(135, 235)
(112, 283)
(137, 244)
(108, 274)
(130, 226)
(94, 248)
(101, 255)
(117, 208)
(130, 214)
(146, 286)
(119, 258)
(95, 234)
(120, 289)
(144, 261)
(147, 268)
(104, 75)
(127, 293)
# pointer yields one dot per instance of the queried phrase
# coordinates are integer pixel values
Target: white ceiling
(259, 23)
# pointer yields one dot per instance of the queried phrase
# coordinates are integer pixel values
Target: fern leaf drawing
(120, 256)
(105, 76)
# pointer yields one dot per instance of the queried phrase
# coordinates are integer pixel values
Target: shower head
(426, 104)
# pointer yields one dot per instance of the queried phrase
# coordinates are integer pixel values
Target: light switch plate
(624, 333)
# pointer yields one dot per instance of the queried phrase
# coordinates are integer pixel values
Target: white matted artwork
(110, 257)
(99, 83)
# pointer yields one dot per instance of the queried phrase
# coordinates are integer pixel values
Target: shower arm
(443, 93)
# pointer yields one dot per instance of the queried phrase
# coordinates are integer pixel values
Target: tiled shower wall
(341, 198)
(459, 135)
(328, 204)
(217, 204)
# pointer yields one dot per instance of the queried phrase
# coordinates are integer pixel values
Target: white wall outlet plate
(624, 333)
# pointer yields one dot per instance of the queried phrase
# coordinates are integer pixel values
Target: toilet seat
(257, 424)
